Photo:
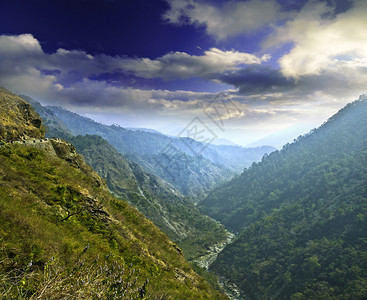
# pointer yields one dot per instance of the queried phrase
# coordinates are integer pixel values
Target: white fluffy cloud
(180, 65)
(19, 53)
(65, 78)
(324, 45)
(233, 18)
(19, 45)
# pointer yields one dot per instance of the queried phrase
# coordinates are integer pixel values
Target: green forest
(301, 216)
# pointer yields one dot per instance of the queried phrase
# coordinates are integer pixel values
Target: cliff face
(18, 120)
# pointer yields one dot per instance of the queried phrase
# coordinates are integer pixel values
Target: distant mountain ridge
(143, 129)
(160, 141)
(161, 154)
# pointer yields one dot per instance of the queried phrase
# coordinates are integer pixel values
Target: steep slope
(303, 216)
(63, 236)
(283, 174)
(193, 175)
(54, 126)
(156, 199)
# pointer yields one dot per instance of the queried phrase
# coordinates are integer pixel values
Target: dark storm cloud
(258, 79)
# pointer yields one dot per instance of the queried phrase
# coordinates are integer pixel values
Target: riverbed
(230, 289)
(207, 259)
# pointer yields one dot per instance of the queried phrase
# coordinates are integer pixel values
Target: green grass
(49, 208)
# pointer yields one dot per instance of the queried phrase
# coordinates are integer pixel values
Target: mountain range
(158, 200)
(192, 167)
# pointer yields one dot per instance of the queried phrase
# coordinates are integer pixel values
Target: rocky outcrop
(18, 120)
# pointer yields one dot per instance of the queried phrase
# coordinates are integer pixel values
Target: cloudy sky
(240, 70)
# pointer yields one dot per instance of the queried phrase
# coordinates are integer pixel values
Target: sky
(207, 69)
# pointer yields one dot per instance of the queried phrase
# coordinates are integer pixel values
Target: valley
(68, 226)
(183, 150)
(299, 213)
(211, 254)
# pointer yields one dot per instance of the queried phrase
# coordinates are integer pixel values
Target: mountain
(193, 175)
(279, 138)
(302, 216)
(143, 129)
(194, 168)
(146, 149)
(64, 236)
(158, 200)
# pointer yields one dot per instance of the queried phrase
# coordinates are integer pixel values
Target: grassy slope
(57, 213)
(17, 118)
(37, 190)
(155, 198)
(158, 200)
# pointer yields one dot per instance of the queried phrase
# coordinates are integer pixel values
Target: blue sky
(255, 67)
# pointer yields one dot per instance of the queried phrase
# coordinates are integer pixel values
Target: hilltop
(17, 119)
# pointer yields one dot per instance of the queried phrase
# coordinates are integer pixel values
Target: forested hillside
(302, 214)
(194, 176)
(64, 236)
(312, 167)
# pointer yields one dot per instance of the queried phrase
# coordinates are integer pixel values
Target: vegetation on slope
(194, 175)
(308, 168)
(17, 119)
(303, 216)
(63, 235)
(198, 167)
(53, 125)
(156, 199)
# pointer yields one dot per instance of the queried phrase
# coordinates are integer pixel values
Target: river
(230, 289)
